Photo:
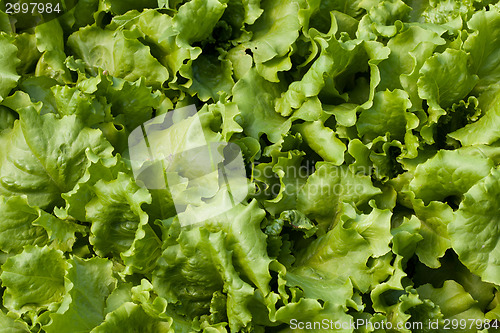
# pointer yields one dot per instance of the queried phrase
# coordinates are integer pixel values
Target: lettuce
(251, 166)
(8, 62)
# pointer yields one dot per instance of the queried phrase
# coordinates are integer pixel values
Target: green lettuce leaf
(131, 103)
(105, 169)
(27, 52)
(473, 232)
(218, 253)
(368, 235)
(38, 89)
(485, 130)
(399, 70)
(130, 318)
(482, 45)
(383, 18)
(336, 58)
(454, 303)
(438, 74)
(18, 228)
(115, 213)
(194, 290)
(207, 75)
(449, 14)
(229, 113)
(211, 75)
(80, 15)
(33, 279)
(8, 63)
(452, 269)
(387, 112)
(10, 325)
(398, 307)
(192, 22)
(70, 101)
(273, 34)
(5, 25)
(61, 233)
(335, 263)
(87, 284)
(255, 99)
(325, 191)
(298, 220)
(50, 43)
(434, 219)
(292, 176)
(145, 249)
(46, 157)
(448, 175)
(323, 141)
(118, 54)
(122, 6)
(7, 118)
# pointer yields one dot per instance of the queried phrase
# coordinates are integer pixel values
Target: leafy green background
(371, 135)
